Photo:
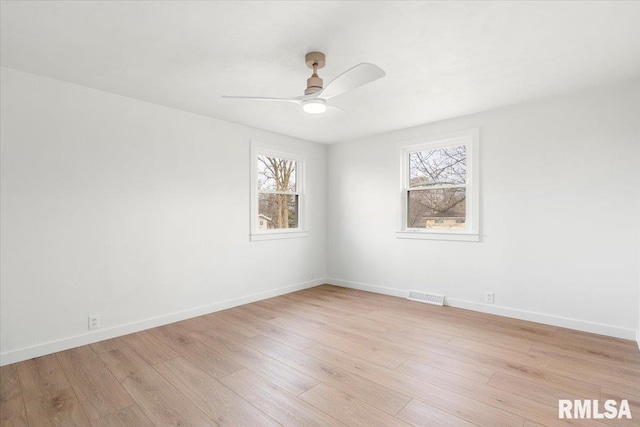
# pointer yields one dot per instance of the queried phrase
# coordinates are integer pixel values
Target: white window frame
(262, 149)
(470, 138)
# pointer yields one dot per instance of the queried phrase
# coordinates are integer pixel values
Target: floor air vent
(425, 297)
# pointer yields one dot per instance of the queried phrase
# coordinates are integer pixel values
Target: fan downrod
(314, 60)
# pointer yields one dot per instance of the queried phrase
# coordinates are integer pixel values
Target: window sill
(438, 235)
(257, 237)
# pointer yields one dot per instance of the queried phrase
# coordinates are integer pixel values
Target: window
(439, 196)
(276, 193)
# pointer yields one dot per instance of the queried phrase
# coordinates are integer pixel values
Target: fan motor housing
(314, 84)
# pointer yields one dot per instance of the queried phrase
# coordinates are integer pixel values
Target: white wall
(132, 211)
(559, 214)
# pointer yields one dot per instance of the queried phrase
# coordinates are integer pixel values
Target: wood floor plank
(425, 338)
(57, 408)
(260, 326)
(535, 391)
(412, 333)
(195, 351)
(294, 318)
(518, 332)
(283, 336)
(324, 300)
(471, 332)
(9, 380)
(347, 408)
(595, 353)
(151, 349)
(345, 342)
(435, 354)
(599, 372)
(12, 409)
(423, 326)
(359, 323)
(429, 316)
(41, 376)
(251, 310)
(526, 332)
(95, 386)
(571, 336)
(217, 323)
(455, 366)
(522, 325)
(221, 404)
(463, 406)
(488, 349)
(631, 354)
(420, 414)
(358, 299)
(631, 363)
(283, 407)
(108, 345)
(161, 402)
(128, 417)
(268, 368)
(528, 367)
(323, 305)
(124, 362)
(563, 357)
(508, 401)
(318, 311)
(368, 391)
(191, 325)
(299, 309)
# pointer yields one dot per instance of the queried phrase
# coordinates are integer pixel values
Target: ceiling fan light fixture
(316, 95)
(314, 106)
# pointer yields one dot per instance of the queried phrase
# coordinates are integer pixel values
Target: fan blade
(337, 112)
(295, 100)
(354, 77)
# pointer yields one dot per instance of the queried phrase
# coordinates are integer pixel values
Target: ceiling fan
(314, 100)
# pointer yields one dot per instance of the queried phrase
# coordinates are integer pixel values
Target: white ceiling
(443, 59)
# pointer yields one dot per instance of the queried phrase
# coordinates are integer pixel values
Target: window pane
(441, 209)
(275, 174)
(277, 211)
(440, 166)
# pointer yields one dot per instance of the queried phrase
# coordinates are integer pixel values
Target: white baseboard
(564, 322)
(116, 331)
(638, 338)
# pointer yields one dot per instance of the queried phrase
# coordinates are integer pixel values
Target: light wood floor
(322, 357)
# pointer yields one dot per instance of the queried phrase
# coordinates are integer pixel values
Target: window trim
(471, 139)
(271, 150)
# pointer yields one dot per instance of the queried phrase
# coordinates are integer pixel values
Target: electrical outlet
(94, 322)
(489, 297)
(313, 275)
